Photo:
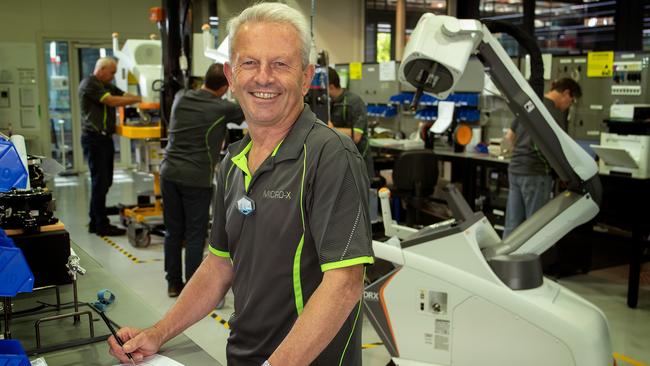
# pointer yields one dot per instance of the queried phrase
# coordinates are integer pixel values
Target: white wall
(26, 20)
(339, 25)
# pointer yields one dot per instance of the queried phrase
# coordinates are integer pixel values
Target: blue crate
(12, 353)
(15, 275)
(12, 171)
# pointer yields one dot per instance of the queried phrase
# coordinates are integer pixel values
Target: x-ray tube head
(437, 52)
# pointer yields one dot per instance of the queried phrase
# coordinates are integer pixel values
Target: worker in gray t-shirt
(529, 174)
(196, 133)
(348, 115)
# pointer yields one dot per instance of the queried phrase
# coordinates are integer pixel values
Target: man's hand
(139, 343)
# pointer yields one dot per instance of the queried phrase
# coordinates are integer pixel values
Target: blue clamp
(104, 298)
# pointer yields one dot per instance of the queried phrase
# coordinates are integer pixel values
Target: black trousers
(100, 151)
(186, 211)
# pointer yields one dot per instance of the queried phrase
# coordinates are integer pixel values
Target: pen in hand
(117, 338)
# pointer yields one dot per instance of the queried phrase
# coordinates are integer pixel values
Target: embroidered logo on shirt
(285, 195)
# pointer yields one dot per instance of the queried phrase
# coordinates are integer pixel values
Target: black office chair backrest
(416, 172)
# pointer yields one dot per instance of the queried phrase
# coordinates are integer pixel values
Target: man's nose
(264, 74)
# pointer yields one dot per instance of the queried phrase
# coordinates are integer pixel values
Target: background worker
(348, 115)
(529, 174)
(290, 230)
(196, 134)
(98, 98)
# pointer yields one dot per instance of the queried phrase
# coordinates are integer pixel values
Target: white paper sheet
(387, 71)
(156, 360)
(445, 116)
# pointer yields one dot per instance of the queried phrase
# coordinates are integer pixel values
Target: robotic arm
(434, 61)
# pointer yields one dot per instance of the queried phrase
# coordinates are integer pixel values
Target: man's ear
(308, 75)
(227, 71)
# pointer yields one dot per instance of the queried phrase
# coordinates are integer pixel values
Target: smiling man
(291, 233)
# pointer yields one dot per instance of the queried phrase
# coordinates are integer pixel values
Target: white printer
(627, 155)
(636, 112)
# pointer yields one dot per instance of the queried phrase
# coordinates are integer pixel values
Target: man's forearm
(208, 285)
(322, 318)
(118, 101)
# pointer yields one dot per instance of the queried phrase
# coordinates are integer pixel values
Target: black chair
(415, 175)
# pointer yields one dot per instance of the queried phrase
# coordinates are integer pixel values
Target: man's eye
(280, 65)
(248, 64)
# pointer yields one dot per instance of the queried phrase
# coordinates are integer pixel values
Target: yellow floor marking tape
(371, 345)
(133, 258)
(628, 360)
(220, 320)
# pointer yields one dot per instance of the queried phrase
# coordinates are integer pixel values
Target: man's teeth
(265, 95)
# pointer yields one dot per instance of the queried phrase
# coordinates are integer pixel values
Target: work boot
(110, 230)
(174, 289)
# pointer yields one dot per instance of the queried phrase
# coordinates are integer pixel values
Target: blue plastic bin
(12, 170)
(12, 353)
(15, 275)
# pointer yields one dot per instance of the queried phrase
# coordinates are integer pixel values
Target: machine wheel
(138, 236)
(142, 238)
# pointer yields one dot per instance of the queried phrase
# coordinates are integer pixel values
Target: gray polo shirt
(97, 117)
(527, 159)
(311, 215)
(196, 132)
(349, 110)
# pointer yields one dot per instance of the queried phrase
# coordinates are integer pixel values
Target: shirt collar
(292, 145)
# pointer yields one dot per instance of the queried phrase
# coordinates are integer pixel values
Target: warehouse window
(561, 27)
(383, 42)
(380, 24)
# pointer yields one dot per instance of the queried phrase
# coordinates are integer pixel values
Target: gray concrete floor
(630, 328)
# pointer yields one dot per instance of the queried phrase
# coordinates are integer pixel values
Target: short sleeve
(115, 90)
(218, 236)
(95, 91)
(338, 211)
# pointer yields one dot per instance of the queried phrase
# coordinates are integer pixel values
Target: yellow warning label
(355, 71)
(600, 64)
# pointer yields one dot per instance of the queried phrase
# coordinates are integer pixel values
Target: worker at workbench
(529, 174)
(348, 115)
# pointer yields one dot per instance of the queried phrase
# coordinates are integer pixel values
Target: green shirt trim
(275, 151)
(241, 161)
(207, 141)
(359, 131)
(297, 284)
(105, 115)
(354, 325)
(218, 253)
(347, 263)
(104, 96)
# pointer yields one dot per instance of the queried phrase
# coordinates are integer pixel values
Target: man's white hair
(273, 13)
(104, 62)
